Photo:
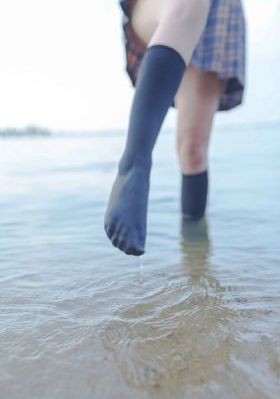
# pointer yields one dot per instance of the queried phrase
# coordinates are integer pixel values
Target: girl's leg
(181, 25)
(160, 74)
(166, 22)
(197, 101)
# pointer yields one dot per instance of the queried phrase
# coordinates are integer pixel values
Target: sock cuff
(195, 175)
(194, 189)
(167, 48)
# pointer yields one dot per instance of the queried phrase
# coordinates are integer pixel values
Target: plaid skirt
(221, 49)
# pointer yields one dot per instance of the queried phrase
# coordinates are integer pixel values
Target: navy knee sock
(159, 77)
(160, 74)
(194, 195)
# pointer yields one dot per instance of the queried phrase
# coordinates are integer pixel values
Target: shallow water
(196, 317)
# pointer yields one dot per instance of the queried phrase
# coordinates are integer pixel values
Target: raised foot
(126, 215)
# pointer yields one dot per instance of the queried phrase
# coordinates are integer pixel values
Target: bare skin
(170, 22)
(197, 101)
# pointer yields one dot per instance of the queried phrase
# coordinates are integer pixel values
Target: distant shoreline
(33, 131)
(29, 131)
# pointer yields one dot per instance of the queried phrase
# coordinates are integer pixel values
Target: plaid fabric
(221, 48)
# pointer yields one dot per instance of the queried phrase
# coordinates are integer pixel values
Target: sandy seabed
(196, 318)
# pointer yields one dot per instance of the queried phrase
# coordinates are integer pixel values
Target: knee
(196, 156)
(189, 12)
(192, 149)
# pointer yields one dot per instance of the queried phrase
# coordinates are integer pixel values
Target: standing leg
(197, 101)
(160, 74)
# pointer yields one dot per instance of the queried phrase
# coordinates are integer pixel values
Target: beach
(196, 317)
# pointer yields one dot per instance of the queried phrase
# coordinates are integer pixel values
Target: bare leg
(168, 21)
(197, 101)
(181, 25)
(160, 74)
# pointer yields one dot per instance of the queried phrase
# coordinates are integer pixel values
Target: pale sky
(63, 67)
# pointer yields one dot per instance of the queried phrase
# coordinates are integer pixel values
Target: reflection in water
(179, 336)
(211, 319)
(198, 320)
(196, 251)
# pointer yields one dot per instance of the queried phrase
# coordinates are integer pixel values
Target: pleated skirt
(221, 48)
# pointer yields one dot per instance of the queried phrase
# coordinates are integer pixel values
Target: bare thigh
(175, 23)
(145, 18)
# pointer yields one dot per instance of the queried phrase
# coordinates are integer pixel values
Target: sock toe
(134, 250)
(115, 241)
(122, 245)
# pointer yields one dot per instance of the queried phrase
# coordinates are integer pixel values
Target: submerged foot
(126, 214)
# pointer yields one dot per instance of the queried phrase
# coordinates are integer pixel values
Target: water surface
(197, 317)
